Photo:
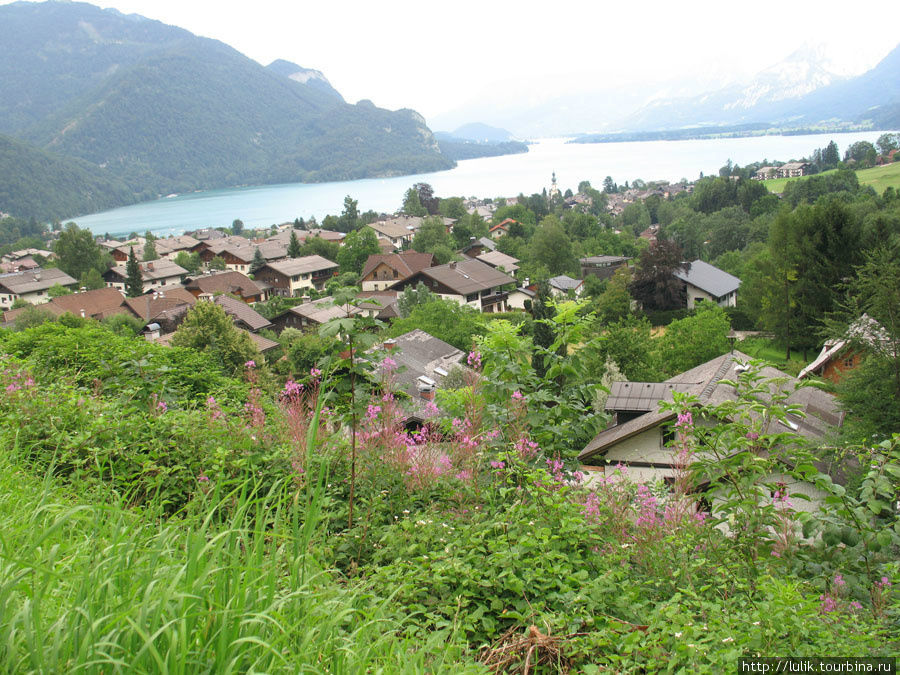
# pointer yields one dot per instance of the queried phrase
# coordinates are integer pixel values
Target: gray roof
(160, 268)
(241, 311)
(304, 265)
(710, 279)
(30, 281)
(498, 259)
(564, 282)
(641, 396)
(420, 354)
(466, 276)
(603, 259)
(820, 408)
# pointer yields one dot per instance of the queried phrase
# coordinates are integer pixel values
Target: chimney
(37, 275)
(149, 266)
(207, 297)
(82, 314)
(452, 264)
(425, 386)
(390, 344)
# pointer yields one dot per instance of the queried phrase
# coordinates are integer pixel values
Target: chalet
(310, 315)
(209, 248)
(242, 314)
(639, 438)
(20, 265)
(423, 361)
(32, 285)
(152, 306)
(96, 304)
(231, 283)
(155, 274)
(500, 261)
(602, 266)
(28, 254)
(704, 282)
(501, 228)
(289, 277)
(468, 282)
(476, 247)
(381, 271)
(381, 305)
(793, 170)
(207, 234)
(840, 356)
(518, 298)
(562, 284)
(284, 237)
(765, 173)
(399, 230)
(172, 246)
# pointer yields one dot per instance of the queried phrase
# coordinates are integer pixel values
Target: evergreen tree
(150, 250)
(257, 262)
(293, 246)
(134, 282)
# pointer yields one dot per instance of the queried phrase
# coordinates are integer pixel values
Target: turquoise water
(488, 177)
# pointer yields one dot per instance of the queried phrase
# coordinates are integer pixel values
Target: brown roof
(466, 276)
(224, 282)
(241, 311)
(406, 263)
(498, 259)
(150, 271)
(151, 305)
(96, 304)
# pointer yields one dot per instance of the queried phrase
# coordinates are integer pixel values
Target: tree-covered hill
(167, 111)
(35, 183)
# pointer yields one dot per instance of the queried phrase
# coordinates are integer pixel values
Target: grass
(774, 353)
(879, 177)
(87, 587)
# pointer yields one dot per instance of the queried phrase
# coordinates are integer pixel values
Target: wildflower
(839, 580)
(498, 464)
(752, 435)
(388, 365)
(474, 359)
(517, 395)
(685, 419)
(161, 406)
(828, 603)
(431, 409)
(203, 478)
(315, 373)
(250, 364)
(854, 604)
(372, 412)
(884, 583)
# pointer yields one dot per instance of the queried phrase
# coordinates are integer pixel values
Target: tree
(614, 303)
(695, 339)
(92, 280)
(412, 205)
(831, 156)
(861, 152)
(655, 285)
(543, 311)
(551, 246)
(150, 250)
(293, 250)
(426, 198)
(134, 281)
(318, 246)
(189, 261)
(444, 319)
(57, 290)
(609, 186)
(257, 262)
(412, 297)
(78, 252)
(349, 219)
(887, 142)
(357, 248)
(207, 328)
(217, 263)
(431, 235)
(237, 227)
(452, 207)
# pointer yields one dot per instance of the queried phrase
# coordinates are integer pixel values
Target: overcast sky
(435, 56)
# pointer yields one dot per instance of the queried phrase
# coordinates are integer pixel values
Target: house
(289, 277)
(468, 282)
(32, 285)
(154, 274)
(284, 237)
(650, 234)
(476, 247)
(242, 314)
(157, 304)
(840, 356)
(500, 261)
(399, 230)
(793, 170)
(381, 271)
(562, 284)
(602, 266)
(310, 315)
(172, 246)
(96, 304)
(423, 361)
(239, 258)
(231, 283)
(517, 298)
(381, 305)
(639, 438)
(705, 282)
(501, 228)
(765, 173)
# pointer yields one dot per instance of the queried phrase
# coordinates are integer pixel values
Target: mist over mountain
(165, 111)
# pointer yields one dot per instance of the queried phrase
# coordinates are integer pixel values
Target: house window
(848, 363)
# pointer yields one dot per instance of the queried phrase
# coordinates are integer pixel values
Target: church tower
(554, 190)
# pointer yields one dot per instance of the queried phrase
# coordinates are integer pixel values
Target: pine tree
(134, 282)
(257, 262)
(293, 246)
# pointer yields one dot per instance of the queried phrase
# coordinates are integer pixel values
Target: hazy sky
(434, 56)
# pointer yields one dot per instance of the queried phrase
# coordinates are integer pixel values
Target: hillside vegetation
(879, 177)
(165, 111)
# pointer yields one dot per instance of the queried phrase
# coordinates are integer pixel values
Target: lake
(505, 176)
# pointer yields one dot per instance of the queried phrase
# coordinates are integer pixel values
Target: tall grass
(99, 588)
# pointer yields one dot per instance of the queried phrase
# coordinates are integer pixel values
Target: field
(879, 177)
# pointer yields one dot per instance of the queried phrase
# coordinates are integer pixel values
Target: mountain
(35, 183)
(166, 111)
(801, 91)
(312, 78)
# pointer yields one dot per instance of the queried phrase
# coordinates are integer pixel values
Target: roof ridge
(714, 380)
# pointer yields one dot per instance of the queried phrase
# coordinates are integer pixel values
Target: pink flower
(474, 359)
(250, 364)
(495, 464)
(517, 395)
(828, 603)
(315, 373)
(203, 478)
(685, 419)
(839, 580)
(388, 364)
(161, 406)
(854, 604)
(752, 435)
(372, 412)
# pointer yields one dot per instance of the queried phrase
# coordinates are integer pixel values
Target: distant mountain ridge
(165, 111)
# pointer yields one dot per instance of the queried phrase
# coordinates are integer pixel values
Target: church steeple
(554, 190)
